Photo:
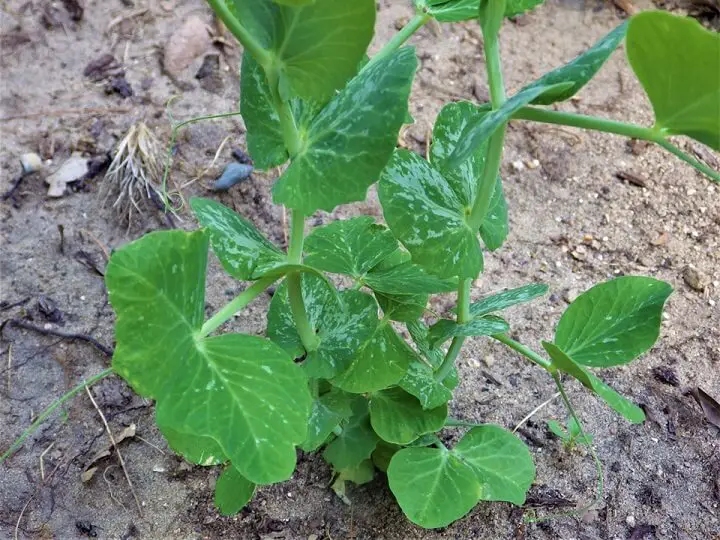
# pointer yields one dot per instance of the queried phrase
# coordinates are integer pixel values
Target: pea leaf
(620, 404)
(479, 131)
(381, 362)
(433, 487)
(450, 10)
(506, 299)
(675, 60)
(362, 474)
(383, 454)
(420, 382)
(420, 335)
(407, 278)
(342, 326)
(495, 227)
(209, 387)
(328, 411)
(350, 247)
(613, 322)
(243, 251)
(356, 442)
(501, 461)
(193, 448)
(232, 491)
(513, 8)
(402, 307)
(445, 329)
(428, 215)
(398, 417)
(579, 71)
(350, 140)
(316, 46)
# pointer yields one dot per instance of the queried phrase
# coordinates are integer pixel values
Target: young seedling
(334, 375)
(571, 434)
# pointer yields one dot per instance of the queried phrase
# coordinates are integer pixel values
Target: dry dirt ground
(662, 479)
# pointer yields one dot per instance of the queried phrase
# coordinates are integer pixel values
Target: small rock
(518, 166)
(695, 279)
(630, 520)
(31, 163)
(72, 170)
(489, 360)
(185, 45)
(234, 174)
(570, 295)
(532, 164)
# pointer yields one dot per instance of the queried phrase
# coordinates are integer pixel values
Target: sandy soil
(662, 479)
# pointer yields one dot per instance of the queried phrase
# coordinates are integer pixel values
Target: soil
(573, 223)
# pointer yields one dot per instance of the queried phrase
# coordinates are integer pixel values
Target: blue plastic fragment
(233, 174)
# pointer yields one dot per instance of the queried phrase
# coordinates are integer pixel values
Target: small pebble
(31, 163)
(695, 279)
(532, 164)
(630, 520)
(518, 166)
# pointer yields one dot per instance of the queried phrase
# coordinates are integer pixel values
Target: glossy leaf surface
(399, 418)
(420, 382)
(505, 299)
(232, 491)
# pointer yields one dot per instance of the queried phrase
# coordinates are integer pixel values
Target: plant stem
(47, 412)
(401, 37)
(463, 311)
(305, 330)
(236, 304)
(531, 355)
(707, 171)
(297, 237)
(221, 9)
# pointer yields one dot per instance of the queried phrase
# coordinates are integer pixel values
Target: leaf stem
(297, 237)
(454, 422)
(531, 355)
(47, 412)
(235, 305)
(463, 310)
(221, 9)
(305, 330)
(413, 25)
(707, 171)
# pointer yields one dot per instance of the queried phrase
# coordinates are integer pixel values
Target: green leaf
(506, 299)
(450, 10)
(432, 486)
(342, 327)
(613, 322)
(316, 47)
(243, 251)
(328, 411)
(193, 448)
(232, 491)
(381, 362)
(407, 279)
(513, 8)
(420, 382)
(559, 431)
(398, 417)
(445, 329)
(494, 228)
(622, 405)
(579, 71)
(675, 59)
(420, 335)
(383, 454)
(356, 442)
(501, 461)
(428, 215)
(209, 387)
(478, 132)
(350, 247)
(351, 139)
(402, 307)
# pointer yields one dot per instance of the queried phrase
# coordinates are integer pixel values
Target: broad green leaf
(513, 8)
(420, 335)
(499, 301)
(350, 140)
(398, 417)
(383, 454)
(420, 382)
(328, 411)
(232, 491)
(478, 132)
(402, 307)
(380, 362)
(622, 405)
(342, 327)
(356, 442)
(501, 461)
(432, 486)
(613, 322)
(495, 226)
(429, 439)
(676, 61)
(209, 387)
(579, 71)
(243, 251)
(445, 329)
(428, 215)
(316, 47)
(193, 448)
(450, 10)
(361, 474)
(407, 279)
(350, 247)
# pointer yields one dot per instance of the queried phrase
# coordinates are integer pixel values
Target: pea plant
(334, 373)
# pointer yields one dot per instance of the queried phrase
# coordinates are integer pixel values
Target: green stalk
(221, 9)
(294, 282)
(463, 311)
(235, 305)
(297, 237)
(531, 355)
(47, 412)
(707, 171)
(417, 22)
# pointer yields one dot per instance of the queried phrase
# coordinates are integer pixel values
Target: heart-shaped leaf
(432, 486)
(328, 411)
(506, 299)
(580, 70)
(350, 140)
(209, 387)
(203, 451)
(620, 404)
(675, 59)
(317, 46)
(613, 322)
(398, 417)
(232, 491)
(356, 442)
(445, 329)
(501, 461)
